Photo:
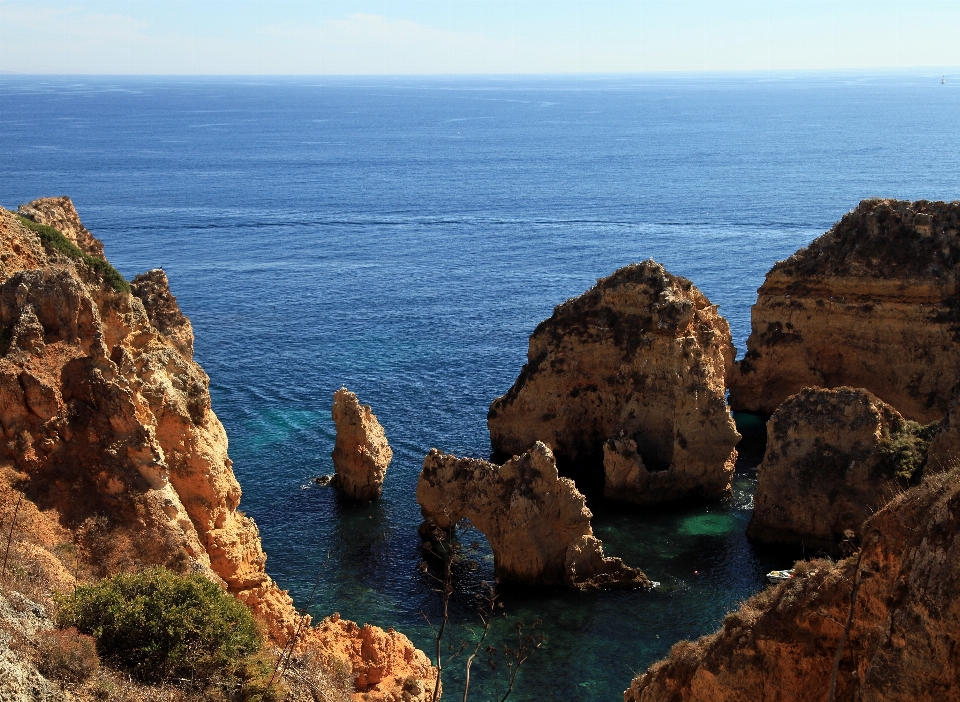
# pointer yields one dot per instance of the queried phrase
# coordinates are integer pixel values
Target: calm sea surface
(403, 237)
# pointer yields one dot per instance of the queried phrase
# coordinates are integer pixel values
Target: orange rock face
(537, 523)
(640, 359)
(107, 426)
(781, 644)
(872, 303)
(833, 458)
(361, 455)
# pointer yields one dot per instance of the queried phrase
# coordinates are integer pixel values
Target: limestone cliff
(537, 523)
(361, 454)
(107, 426)
(640, 358)
(833, 458)
(903, 640)
(873, 303)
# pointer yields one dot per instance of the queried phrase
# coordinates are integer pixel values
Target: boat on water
(778, 576)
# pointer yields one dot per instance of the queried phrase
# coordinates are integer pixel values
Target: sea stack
(361, 454)
(638, 363)
(873, 303)
(833, 458)
(537, 523)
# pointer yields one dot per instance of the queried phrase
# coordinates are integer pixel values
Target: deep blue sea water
(404, 236)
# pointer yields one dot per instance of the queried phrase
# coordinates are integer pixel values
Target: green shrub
(905, 451)
(67, 655)
(159, 625)
(55, 240)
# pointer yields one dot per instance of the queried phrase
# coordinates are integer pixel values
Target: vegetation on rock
(55, 240)
(160, 625)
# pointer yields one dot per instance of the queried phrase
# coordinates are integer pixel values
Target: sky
(337, 37)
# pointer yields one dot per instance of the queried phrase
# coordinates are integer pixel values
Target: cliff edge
(109, 436)
(873, 304)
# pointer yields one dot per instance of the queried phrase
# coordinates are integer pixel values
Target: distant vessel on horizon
(943, 80)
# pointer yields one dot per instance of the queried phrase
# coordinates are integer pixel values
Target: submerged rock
(638, 363)
(537, 523)
(361, 455)
(780, 646)
(872, 303)
(833, 458)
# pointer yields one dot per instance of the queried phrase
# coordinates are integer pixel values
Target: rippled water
(404, 237)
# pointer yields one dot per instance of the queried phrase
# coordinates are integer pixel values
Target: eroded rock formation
(361, 455)
(873, 303)
(537, 523)
(639, 359)
(833, 458)
(781, 644)
(108, 432)
(59, 213)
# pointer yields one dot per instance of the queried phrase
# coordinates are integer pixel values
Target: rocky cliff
(873, 303)
(833, 458)
(361, 454)
(537, 523)
(108, 431)
(900, 637)
(640, 358)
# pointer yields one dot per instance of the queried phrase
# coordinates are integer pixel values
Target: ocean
(404, 236)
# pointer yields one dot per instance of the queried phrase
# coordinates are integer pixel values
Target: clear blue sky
(473, 36)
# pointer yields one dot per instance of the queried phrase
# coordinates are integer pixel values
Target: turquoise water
(405, 236)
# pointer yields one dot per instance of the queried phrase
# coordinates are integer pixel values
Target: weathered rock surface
(873, 303)
(361, 454)
(640, 358)
(537, 523)
(59, 213)
(108, 432)
(781, 644)
(944, 450)
(833, 458)
(153, 290)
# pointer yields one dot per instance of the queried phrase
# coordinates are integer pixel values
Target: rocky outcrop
(153, 290)
(107, 428)
(833, 458)
(639, 359)
(944, 450)
(361, 454)
(59, 213)
(536, 522)
(780, 646)
(873, 303)
(384, 664)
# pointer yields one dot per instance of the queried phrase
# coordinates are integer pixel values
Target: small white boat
(778, 576)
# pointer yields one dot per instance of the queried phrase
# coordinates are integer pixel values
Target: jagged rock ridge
(638, 361)
(873, 303)
(537, 523)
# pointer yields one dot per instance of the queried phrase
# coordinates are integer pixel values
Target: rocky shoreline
(852, 357)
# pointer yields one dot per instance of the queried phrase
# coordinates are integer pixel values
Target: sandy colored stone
(537, 523)
(59, 213)
(640, 358)
(153, 290)
(872, 303)
(106, 428)
(830, 463)
(781, 644)
(361, 454)
(384, 664)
